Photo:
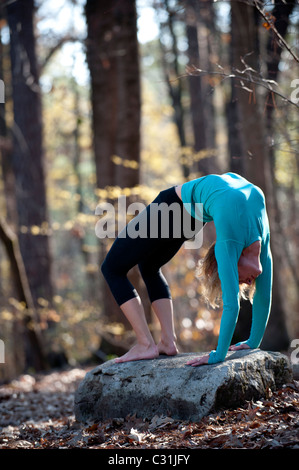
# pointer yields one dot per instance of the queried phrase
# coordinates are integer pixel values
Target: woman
(241, 255)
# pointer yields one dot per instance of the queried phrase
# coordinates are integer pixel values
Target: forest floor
(37, 412)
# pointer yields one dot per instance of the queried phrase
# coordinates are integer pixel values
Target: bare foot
(170, 349)
(138, 352)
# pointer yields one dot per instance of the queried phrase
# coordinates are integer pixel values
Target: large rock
(167, 386)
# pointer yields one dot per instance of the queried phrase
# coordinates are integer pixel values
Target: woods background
(115, 98)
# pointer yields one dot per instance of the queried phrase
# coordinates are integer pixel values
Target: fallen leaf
(135, 435)
(160, 422)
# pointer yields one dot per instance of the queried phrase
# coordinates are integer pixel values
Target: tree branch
(58, 45)
(274, 29)
(244, 75)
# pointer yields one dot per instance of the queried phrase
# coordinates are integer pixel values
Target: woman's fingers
(193, 362)
(199, 361)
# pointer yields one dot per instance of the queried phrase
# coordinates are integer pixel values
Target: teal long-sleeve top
(238, 210)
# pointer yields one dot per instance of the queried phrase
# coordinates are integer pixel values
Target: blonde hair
(207, 272)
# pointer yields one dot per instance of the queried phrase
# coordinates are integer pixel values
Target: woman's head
(249, 265)
(207, 272)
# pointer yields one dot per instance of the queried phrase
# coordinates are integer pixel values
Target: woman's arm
(227, 254)
(261, 302)
(262, 298)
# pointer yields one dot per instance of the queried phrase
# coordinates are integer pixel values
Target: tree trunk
(199, 20)
(245, 46)
(6, 147)
(281, 13)
(195, 82)
(236, 162)
(79, 232)
(112, 54)
(27, 153)
(255, 151)
(34, 353)
(171, 69)
(113, 60)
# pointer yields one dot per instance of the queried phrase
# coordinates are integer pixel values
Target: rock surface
(167, 386)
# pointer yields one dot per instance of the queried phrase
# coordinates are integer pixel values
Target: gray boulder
(167, 386)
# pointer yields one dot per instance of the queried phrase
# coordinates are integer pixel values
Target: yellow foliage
(35, 230)
(53, 316)
(189, 277)
(286, 165)
(43, 302)
(6, 315)
(125, 162)
(115, 328)
(17, 304)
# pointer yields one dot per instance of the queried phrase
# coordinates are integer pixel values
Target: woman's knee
(148, 271)
(112, 268)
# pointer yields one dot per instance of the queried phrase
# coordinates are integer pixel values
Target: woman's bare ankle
(168, 347)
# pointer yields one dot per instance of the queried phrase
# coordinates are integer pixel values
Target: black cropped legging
(161, 236)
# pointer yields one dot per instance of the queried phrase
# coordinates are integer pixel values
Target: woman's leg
(163, 308)
(158, 253)
(145, 347)
(125, 253)
(150, 254)
(159, 292)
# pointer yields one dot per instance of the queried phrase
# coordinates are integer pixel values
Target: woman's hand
(199, 361)
(237, 347)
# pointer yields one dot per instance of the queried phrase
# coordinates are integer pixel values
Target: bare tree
(252, 134)
(170, 64)
(199, 17)
(27, 152)
(33, 345)
(113, 60)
